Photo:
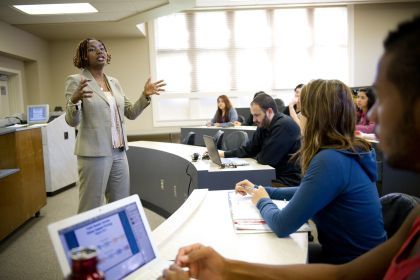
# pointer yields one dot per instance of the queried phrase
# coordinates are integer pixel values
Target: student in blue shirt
(338, 190)
(225, 114)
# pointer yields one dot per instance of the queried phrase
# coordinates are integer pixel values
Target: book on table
(246, 218)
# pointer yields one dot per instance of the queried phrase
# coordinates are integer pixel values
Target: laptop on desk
(121, 234)
(215, 157)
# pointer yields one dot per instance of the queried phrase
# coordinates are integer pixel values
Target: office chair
(218, 139)
(189, 139)
(241, 119)
(395, 208)
(280, 104)
(235, 140)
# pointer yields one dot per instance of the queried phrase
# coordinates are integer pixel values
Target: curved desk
(211, 130)
(205, 218)
(163, 175)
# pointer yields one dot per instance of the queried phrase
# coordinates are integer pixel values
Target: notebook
(121, 234)
(215, 157)
(246, 218)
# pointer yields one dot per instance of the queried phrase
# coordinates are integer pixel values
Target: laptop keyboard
(155, 271)
(235, 161)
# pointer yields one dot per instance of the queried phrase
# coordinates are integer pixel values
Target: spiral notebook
(246, 218)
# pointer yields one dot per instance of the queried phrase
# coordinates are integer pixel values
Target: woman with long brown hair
(338, 190)
(225, 115)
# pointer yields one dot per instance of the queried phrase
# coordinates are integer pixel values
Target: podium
(60, 163)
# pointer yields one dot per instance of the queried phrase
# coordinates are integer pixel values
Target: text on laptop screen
(120, 238)
(37, 113)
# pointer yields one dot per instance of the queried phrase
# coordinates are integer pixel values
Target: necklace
(102, 84)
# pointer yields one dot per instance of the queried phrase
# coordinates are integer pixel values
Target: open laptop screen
(120, 237)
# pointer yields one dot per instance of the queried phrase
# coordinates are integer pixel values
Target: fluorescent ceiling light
(54, 9)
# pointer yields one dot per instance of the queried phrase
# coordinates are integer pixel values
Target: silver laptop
(121, 234)
(215, 157)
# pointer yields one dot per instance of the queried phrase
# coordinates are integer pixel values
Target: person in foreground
(96, 103)
(275, 140)
(338, 190)
(225, 115)
(397, 115)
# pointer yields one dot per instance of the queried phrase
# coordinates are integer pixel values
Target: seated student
(250, 120)
(293, 110)
(338, 188)
(225, 115)
(365, 101)
(396, 85)
(275, 140)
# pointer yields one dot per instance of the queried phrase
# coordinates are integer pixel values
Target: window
(239, 52)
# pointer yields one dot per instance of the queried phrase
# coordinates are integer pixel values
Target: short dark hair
(299, 86)
(80, 58)
(403, 47)
(258, 93)
(265, 101)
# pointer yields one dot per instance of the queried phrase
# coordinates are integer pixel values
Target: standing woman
(97, 104)
(225, 115)
(338, 190)
(365, 100)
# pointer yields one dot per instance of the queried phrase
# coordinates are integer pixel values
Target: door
(4, 100)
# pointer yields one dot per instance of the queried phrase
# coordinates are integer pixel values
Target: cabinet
(58, 140)
(22, 192)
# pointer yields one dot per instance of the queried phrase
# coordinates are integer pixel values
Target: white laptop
(121, 234)
(215, 157)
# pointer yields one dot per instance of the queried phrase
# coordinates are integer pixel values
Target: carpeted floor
(28, 253)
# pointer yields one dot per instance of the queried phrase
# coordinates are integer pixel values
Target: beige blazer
(94, 115)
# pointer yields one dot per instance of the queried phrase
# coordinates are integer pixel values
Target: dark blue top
(274, 146)
(339, 194)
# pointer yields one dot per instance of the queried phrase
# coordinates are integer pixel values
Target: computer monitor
(38, 113)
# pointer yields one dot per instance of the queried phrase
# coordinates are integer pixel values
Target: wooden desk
(22, 185)
(204, 130)
(163, 175)
(205, 218)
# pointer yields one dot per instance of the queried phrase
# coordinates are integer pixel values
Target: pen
(254, 187)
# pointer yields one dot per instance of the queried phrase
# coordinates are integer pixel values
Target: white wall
(371, 25)
(22, 46)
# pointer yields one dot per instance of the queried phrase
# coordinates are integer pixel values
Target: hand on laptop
(203, 263)
(221, 154)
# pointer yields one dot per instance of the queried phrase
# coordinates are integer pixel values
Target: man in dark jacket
(275, 140)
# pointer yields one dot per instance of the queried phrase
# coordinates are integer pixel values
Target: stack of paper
(246, 217)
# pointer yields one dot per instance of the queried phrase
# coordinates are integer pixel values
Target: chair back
(241, 119)
(395, 208)
(189, 139)
(218, 139)
(235, 140)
